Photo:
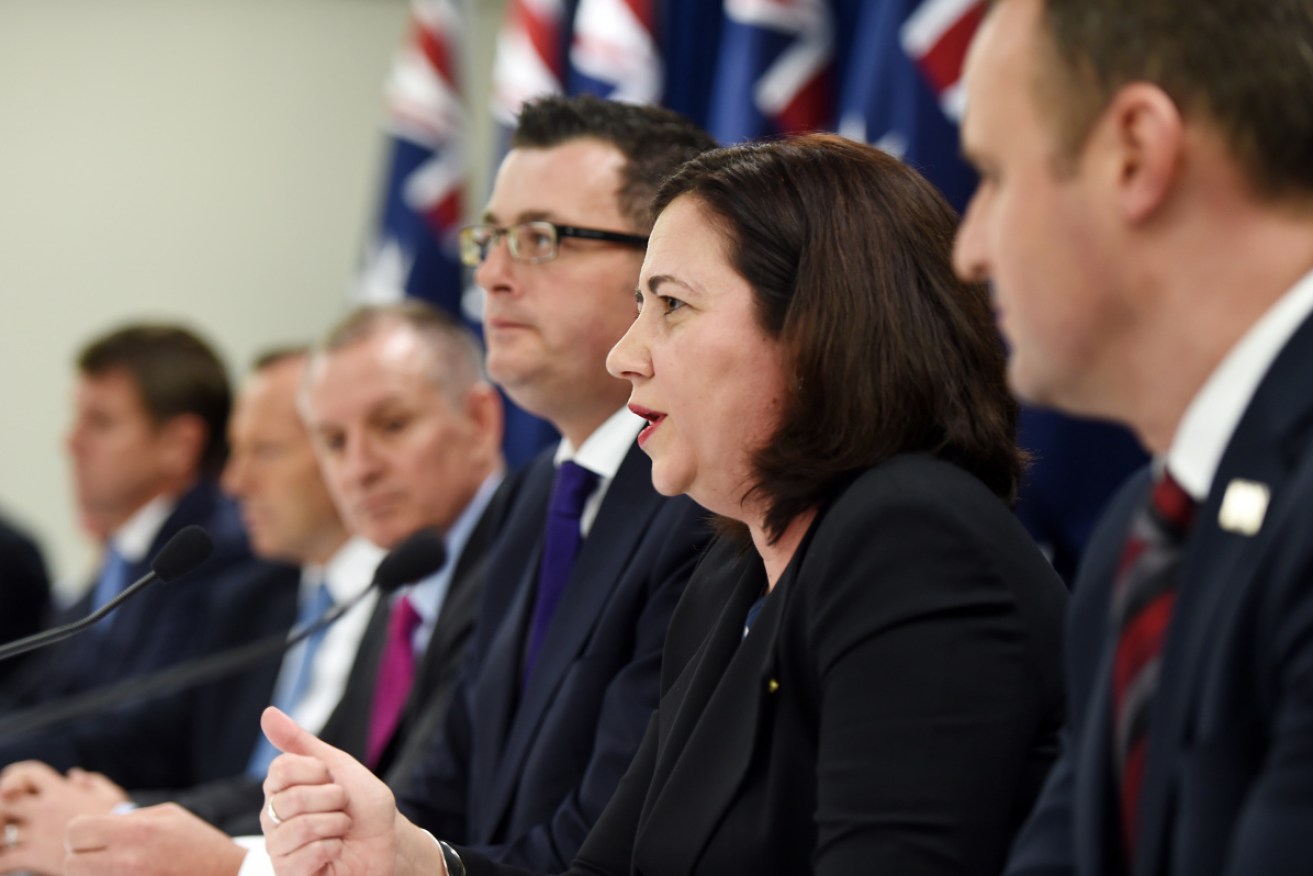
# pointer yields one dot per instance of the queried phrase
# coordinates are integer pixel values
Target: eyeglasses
(532, 242)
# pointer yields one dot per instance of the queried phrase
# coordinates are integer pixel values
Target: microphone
(188, 548)
(417, 556)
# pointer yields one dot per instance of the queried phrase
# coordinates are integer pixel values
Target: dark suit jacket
(1228, 786)
(892, 711)
(233, 805)
(24, 591)
(165, 624)
(524, 776)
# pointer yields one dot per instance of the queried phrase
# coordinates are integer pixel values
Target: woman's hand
(326, 813)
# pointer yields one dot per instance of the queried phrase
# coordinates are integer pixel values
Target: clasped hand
(326, 813)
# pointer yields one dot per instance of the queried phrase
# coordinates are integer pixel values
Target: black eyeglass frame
(468, 245)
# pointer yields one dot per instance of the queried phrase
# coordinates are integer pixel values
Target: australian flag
(614, 53)
(902, 87)
(414, 250)
(775, 69)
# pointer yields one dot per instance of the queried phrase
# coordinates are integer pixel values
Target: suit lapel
(511, 568)
(710, 720)
(348, 726)
(498, 693)
(622, 520)
(1218, 572)
(451, 631)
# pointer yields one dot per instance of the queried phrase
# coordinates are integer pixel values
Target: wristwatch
(455, 866)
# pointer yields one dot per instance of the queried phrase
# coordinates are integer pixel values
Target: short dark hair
(1245, 67)
(456, 351)
(848, 251)
(654, 141)
(175, 372)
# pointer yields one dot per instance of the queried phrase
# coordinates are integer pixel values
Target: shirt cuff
(257, 861)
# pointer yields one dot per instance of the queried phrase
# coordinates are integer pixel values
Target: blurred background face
(273, 473)
(121, 458)
(549, 326)
(705, 374)
(398, 454)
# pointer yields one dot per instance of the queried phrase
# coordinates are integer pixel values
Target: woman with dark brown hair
(864, 673)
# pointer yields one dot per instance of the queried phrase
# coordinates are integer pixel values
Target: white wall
(208, 161)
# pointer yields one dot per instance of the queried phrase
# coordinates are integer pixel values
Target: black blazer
(892, 711)
(1228, 782)
(525, 775)
(233, 805)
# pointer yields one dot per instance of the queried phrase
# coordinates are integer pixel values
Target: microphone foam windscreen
(184, 552)
(419, 555)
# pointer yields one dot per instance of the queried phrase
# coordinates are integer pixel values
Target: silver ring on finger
(272, 813)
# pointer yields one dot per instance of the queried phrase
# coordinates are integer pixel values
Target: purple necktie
(573, 485)
(396, 673)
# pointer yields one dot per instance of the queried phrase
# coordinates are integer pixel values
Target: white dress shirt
(349, 571)
(133, 539)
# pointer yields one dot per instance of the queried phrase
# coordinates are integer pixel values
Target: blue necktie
(573, 485)
(113, 579)
(292, 685)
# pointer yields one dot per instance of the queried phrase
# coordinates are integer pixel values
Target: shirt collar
(1213, 414)
(133, 539)
(349, 571)
(604, 450)
(427, 594)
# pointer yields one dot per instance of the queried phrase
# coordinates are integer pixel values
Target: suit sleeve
(923, 603)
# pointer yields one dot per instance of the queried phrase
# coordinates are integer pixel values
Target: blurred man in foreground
(1145, 214)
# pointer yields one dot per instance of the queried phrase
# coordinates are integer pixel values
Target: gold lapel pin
(1243, 507)
(772, 686)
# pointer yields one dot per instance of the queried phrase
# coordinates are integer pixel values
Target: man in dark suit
(147, 442)
(1146, 217)
(407, 435)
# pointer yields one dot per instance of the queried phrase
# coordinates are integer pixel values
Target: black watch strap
(455, 866)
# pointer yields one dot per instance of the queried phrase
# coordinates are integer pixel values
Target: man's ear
(484, 406)
(182, 444)
(1144, 132)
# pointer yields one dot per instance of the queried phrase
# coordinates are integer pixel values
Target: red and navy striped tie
(1143, 600)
